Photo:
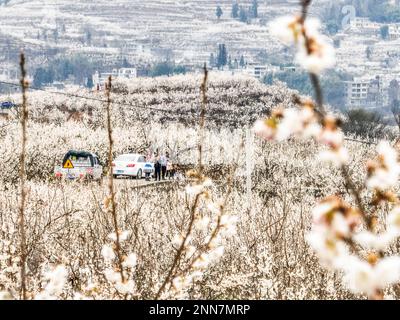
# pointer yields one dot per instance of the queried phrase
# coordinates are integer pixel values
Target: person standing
(170, 170)
(164, 162)
(157, 168)
(147, 168)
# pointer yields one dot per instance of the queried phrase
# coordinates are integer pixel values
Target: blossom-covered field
(262, 254)
(265, 257)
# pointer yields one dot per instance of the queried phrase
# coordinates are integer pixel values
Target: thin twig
(181, 248)
(193, 208)
(202, 118)
(217, 229)
(22, 175)
(355, 192)
(111, 180)
(313, 77)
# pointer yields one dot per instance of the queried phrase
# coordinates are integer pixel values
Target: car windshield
(80, 161)
(127, 157)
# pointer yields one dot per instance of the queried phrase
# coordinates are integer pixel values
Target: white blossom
(177, 240)
(108, 253)
(130, 261)
(362, 277)
(263, 130)
(112, 275)
(122, 236)
(321, 58)
(393, 220)
(202, 223)
(56, 281)
(285, 28)
(373, 241)
(127, 287)
(217, 253)
(194, 190)
(337, 157)
(385, 173)
(331, 252)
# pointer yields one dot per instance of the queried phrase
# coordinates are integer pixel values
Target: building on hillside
(364, 26)
(394, 32)
(393, 93)
(356, 92)
(364, 92)
(55, 86)
(127, 73)
(101, 78)
(289, 68)
(260, 71)
(10, 74)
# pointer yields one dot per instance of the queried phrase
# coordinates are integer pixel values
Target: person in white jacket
(164, 162)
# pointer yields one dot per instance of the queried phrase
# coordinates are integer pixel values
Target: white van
(79, 165)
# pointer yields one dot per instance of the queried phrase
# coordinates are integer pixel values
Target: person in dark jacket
(164, 162)
(157, 168)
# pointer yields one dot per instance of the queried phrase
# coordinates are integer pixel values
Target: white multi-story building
(100, 79)
(394, 32)
(259, 71)
(357, 91)
(128, 73)
(364, 26)
(365, 92)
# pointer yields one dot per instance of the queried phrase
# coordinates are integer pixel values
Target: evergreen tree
(224, 55)
(368, 52)
(393, 91)
(243, 15)
(212, 60)
(55, 35)
(219, 12)
(89, 82)
(125, 63)
(235, 10)
(179, 70)
(235, 64)
(165, 68)
(384, 32)
(254, 9)
(43, 77)
(222, 58)
(88, 36)
(242, 62)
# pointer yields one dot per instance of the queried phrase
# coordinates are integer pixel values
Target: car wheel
(115, 176)
(139, 174)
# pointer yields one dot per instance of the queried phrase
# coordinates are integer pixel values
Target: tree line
(241, 12)
(222, 59)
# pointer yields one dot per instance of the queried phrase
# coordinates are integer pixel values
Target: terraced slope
(187, 30)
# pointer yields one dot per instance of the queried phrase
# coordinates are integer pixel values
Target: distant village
(366, 51)
(370, 52)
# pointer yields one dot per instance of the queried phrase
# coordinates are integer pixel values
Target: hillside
(233, 101)
(188, 31)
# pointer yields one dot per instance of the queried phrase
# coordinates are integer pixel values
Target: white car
(131, 165)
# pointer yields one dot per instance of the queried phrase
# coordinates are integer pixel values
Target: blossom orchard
(347, 238)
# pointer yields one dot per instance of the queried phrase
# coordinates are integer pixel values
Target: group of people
(163, 167)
